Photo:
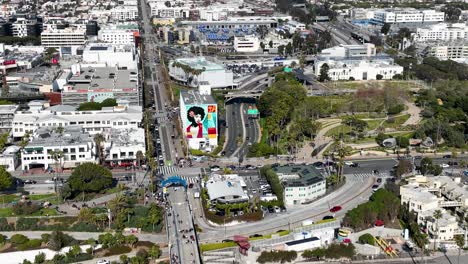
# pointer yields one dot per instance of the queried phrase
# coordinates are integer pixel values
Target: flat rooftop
(201, 63)
(103, 78)
(305, 175)
(48, 136)
(195, 98)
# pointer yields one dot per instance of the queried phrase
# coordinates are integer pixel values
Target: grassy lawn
(216, 246)
(5, 212)
(397, 121)
(337, 130)
(373, 124)
(8, 198)
(370, 115)
(37, 197)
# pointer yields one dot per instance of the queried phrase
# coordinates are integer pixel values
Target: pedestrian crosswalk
(366, 175)
(190, 179)
(167, 170)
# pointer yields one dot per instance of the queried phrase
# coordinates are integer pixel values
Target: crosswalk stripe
(165, 170)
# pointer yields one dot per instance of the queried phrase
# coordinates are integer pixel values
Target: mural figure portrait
(195, 116)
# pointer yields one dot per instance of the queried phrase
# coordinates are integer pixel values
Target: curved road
(354, 192)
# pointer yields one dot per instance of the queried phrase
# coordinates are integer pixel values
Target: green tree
(89, 177)
(460, 241)
(18, 239)
(123, 259)
(109, 102)
(57, 240)
(281, 49)
(6, 180)
(385, 28)
(3, 140)
(366, 239)
(323, 76)
(270, 44)
(39, 258)
(89, 106)
(92, 243)
(404, 166)
(154, 252)
(25, 261)
(262, 45)
(131, 240)
(426, 165)
(317, 254)
(139, 157)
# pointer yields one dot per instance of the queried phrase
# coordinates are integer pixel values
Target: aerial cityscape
(233, 131)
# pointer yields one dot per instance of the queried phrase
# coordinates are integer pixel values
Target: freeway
(252, 131)
(234, 127)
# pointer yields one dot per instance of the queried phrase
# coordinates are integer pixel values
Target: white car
(48, 181)
(348, 163)
(103, 261)
(444, 165)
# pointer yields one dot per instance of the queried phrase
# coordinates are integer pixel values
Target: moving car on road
(335, 209)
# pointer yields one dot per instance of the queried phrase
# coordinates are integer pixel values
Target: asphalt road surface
(235, 128)
(252, 129)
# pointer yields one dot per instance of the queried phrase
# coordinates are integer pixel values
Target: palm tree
(460, 241)
(57, 155)
(342, 153)
(117, 204)
(139, 157)
(437, 215)
(98, 140)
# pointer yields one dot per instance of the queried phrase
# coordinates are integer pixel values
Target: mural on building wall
(202, 121)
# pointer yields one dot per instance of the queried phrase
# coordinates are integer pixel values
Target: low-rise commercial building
(359, 69)
(301, 183)
(123, 145)
(118, 56)
(49, 148)
(91, 83)
(40, 114)
(7, 113)
(225, 190)
(396, 15)
(184, 70)
(349, 51)
(26, 26)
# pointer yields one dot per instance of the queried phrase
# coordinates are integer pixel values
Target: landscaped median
(227, 244)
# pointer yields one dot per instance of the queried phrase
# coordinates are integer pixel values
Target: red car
(335, 209)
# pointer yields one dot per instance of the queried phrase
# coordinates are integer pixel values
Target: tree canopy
(94, 106)
(6, 180)
(89, 177)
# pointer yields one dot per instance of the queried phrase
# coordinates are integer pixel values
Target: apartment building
(25, 27)
(7, 112)
(160, 10)
(442, 31)
(424, 195)
(124, 13)
(119, 34)
(67, 40)
(301, 183)
(249, 43)
(447, 50)
(75, 145)
(122, 146)
(40, 115)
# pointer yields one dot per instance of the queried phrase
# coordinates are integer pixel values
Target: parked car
(103, 261)
(444, 165)
(354, 165)
(277, 209)
(447, 156)
(327, 217)
(379, 180)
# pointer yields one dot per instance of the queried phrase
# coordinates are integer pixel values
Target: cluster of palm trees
(188, 70)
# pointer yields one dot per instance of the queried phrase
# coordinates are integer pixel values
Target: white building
(25, 27)
(124, 13)
(9, 159)
(246, 43)
(160, 10)
(122, 146)
(7, 112)
(93, 122)
(301, 183)
(62, 39)
(363, 69)
(397, 15)
(120, 56)
(76, 145)
(215, 74)
(442, 31)
(348, 51)
(119, 34)
(425, 195)
(294, 26)
(448, 50)
(226, 190)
